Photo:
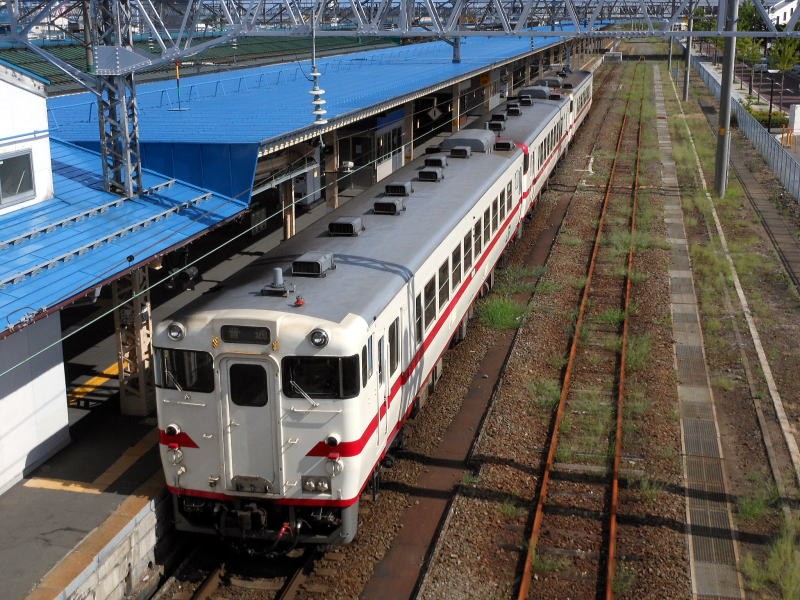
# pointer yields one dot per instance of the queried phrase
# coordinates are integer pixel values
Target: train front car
(280, 391)
(251, 412)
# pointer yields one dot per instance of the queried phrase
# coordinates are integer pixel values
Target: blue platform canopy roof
(266, 104)
(56, 250)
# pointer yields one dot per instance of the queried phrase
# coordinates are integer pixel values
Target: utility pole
(723, 134)
(688, 54)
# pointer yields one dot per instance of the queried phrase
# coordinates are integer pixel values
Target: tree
(784, 56)
(749, 51)
(749, 18)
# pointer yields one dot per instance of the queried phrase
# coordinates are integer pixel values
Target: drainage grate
(701, 437)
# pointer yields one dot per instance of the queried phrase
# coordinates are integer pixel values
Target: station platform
(95, 519)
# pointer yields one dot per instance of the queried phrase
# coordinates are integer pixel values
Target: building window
(16, 178)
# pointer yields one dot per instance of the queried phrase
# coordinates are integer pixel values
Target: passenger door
(383, 388)
(250, 431)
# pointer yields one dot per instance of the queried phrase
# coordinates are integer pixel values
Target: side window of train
(418, 318)
(394, 345)
(366, 362)
(494, 215)
(381, 372)
(248, 384)
(455, 260)
(430, 301)
(487, 218)
(369, 357)
(364, 377)
(502, 205)
(444, 284)
(467, 251)
(476, 239)
(510, 191)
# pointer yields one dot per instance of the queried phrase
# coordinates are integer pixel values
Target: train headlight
(319, 338)
(176, 331)
(319, 485)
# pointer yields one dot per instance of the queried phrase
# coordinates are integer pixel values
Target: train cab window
(487, 222)
(394, 346)
(184, 370)
(502, 205)
(476, 239)
(467, 251)
(455, 260)
(494, 215)
(320, 376)
(248, 384)
(444, 284)
(420, 329)
(430, 302)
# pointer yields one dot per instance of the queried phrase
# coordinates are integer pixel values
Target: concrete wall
(33, 400)
(24, 127)
(131, 564)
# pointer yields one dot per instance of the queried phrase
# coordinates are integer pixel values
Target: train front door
(249, 434)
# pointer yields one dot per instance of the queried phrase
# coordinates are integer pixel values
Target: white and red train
(280, 391)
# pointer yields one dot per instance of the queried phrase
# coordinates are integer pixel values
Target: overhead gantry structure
(178, 29)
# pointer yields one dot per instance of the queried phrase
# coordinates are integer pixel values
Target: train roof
(372, 267)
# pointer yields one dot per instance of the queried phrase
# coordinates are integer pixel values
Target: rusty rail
(527, 574)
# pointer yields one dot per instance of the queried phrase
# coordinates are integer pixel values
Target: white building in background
(780, 12)
(33, 396)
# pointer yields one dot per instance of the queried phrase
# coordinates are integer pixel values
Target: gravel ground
(653, 557)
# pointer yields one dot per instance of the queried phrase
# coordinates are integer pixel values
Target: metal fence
(782, 162)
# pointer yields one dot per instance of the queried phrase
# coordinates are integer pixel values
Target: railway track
(214, 572)
(575, 515)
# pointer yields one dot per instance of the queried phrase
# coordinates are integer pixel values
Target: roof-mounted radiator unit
(399, 188)
(436, 161)
(347, 226)
(495, 125)
(390, 206)
(525, 100)
(499, 117)
(504, 146)
(431, 174)
(461, 152)
(513, 110)
(313, 264)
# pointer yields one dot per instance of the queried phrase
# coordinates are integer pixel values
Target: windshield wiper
(299, 390)
(168, 375)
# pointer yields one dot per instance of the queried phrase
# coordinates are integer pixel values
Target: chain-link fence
(782, 162)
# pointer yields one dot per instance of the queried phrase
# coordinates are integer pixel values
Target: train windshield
(320, 376)
(184, 370)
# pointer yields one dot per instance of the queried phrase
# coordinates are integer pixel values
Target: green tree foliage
(784, 56)
(749, 18)
(749, 50)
